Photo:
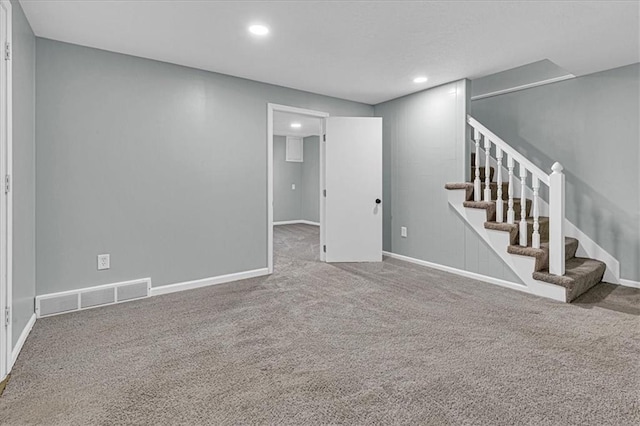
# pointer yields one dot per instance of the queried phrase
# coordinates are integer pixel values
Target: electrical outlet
(293, 186)
(103, 262)
(403, 231)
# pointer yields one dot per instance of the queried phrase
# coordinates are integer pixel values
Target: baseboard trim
(461, 272)
(23, 338)
(296, 222)
(629, 283)
(205, 282)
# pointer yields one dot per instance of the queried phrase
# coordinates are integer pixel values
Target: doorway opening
(295, 169)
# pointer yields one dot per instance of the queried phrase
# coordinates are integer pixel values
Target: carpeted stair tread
(489, 206)
(580, 275)
(542, 254)
(512, 229)
(461, 185)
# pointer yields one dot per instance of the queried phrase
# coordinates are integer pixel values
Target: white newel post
(487, 169)
(476, 181)
(499, 204)
(556, 220)
(523, 206)
(510, 213)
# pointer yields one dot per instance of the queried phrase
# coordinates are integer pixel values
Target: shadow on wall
(592, 212)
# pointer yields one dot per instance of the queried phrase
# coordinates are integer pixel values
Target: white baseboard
(296, 222)
(205, 282)
(461, 272)
(21, 340)
(629, 283)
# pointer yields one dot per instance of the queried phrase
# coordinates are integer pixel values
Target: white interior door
(353, 181)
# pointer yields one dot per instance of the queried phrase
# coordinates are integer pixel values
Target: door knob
(378, 201)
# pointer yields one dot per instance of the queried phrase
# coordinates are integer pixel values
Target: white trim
(296, 222)
(23, 338)
(6, 286)
(271, 108)
(461, 272)
(523, 87)
(205, 282)
(89, 289)
(629, 283)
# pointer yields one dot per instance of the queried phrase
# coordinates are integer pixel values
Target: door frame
(6, 200)
(271, 108)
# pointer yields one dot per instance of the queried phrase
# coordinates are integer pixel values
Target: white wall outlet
(403, 231)
(293, 186)
(103, 262)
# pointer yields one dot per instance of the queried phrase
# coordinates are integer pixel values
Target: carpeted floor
(389, 343)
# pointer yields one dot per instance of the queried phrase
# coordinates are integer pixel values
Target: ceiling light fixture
(420, 79)
(259, 30)
(296, 125)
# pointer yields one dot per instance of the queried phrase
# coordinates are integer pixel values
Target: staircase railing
(555, 182)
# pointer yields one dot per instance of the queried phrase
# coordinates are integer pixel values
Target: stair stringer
(522, 266)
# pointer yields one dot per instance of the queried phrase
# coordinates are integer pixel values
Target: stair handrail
(521, 159)
(555, 181)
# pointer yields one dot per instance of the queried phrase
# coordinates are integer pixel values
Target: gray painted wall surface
(162, 166)
(590, 125)
(24, 173)
(302, 203)
(287, 202)
(422, 150)
(310, 193)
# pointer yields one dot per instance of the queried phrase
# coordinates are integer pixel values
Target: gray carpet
(389, 343)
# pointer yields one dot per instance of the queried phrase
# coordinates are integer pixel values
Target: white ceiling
(363, 51)
(282, 124)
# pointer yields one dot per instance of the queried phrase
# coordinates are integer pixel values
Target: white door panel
(353, 183)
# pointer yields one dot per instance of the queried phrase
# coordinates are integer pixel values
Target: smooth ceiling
(362, 51)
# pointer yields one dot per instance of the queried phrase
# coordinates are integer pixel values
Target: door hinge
(7, 52)
(7, 184)
(7, 316)
(324, 248)
(324, 192)
(324, 138)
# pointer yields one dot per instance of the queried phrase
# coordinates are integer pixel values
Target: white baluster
(510, 213)
(499, 205)
(487, 167)
(556, 220)
(476, 181)
(535, 238)
(523, 206)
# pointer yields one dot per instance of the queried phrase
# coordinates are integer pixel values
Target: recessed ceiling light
(296, 125)
(420, 79)
(260, 30)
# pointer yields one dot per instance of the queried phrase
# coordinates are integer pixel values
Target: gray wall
(24, 173)
(303, 203)
(310, 194)
(287, 202)
(162, 166)
(422, 150)
(591, 126)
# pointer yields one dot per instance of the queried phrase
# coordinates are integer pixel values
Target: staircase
(507, 215)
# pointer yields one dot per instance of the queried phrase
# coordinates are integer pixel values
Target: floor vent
(93, 297)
